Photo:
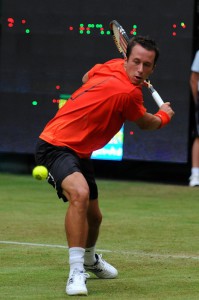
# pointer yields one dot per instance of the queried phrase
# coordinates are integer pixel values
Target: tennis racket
(121, 40)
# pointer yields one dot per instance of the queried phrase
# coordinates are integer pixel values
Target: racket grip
(156, 96)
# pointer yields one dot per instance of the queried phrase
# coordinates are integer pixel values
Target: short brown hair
(146, 43)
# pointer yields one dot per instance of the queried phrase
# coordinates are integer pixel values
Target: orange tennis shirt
(96, 111)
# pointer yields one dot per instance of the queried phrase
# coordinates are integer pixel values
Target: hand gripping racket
(121, 40)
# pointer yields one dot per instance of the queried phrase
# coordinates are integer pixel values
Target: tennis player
(111, 94)
(194, 83)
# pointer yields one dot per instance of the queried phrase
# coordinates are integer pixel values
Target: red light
(58, 87)
(131, 132)
(23, 21)
(11, 20)
(174, 33)
(71, 28)
(174, 25)
(133, 31)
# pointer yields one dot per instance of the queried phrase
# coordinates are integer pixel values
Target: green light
(81, 31)
(134, 26)
(108, 32)
(34, 103)
(134, 33)
(88, 32)
(27, 31)
(102, 32)
(98, 25)
(65, 96)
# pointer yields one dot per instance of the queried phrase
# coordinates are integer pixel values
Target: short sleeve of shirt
(92, 71)
(134, 108)
(195, 64)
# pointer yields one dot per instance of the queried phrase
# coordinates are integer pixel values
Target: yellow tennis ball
(40, 172)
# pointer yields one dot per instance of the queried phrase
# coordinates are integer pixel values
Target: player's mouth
(137, 80)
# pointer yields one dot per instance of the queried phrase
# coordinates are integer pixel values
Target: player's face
(140, 64)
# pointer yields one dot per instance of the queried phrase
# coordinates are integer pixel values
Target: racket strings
(123, 42)
(117, 44)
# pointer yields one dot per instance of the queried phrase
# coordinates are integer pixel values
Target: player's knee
(80, 198)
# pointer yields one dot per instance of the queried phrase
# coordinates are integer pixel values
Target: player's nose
(140, 68)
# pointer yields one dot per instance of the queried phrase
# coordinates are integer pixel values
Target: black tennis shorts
(61, 162)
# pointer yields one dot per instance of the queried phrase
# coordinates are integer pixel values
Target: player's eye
(136, 61)
(148, 65)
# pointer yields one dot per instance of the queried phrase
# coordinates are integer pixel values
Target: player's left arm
(158, 120)
(85, 78)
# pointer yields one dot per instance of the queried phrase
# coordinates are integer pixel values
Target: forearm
(150, 122)
(158, 120)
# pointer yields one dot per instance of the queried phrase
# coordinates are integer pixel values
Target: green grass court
(150, 233)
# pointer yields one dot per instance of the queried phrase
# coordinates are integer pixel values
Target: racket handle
(156, 96)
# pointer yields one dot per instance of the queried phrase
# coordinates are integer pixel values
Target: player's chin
(136, 82)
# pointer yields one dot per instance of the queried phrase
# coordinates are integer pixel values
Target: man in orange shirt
(111, 94)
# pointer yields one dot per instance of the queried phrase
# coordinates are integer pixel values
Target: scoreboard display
(47, 46)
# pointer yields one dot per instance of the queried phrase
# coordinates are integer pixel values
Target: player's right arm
(161, 118)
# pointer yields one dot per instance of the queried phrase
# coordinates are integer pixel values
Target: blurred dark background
(47, 46)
